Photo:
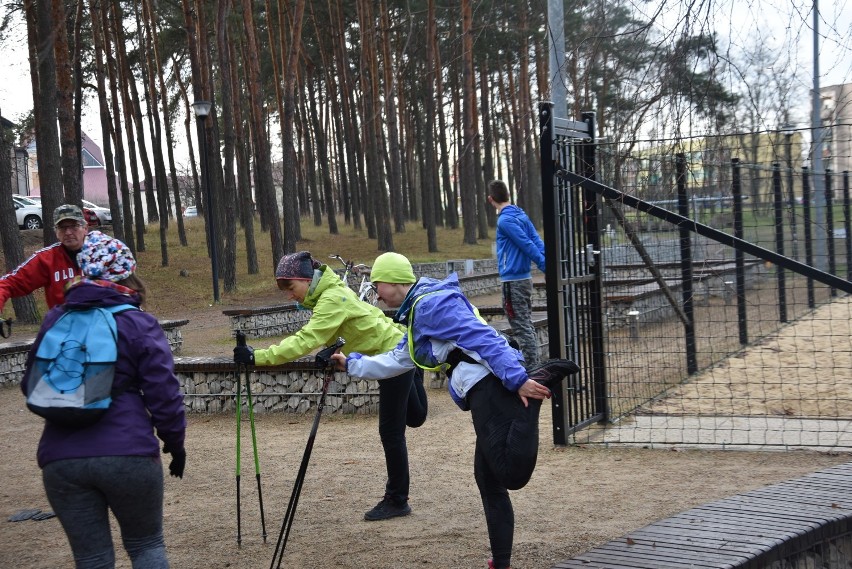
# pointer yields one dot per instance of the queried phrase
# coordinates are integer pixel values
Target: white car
(103, 214)
(27, 214)
(191, 211)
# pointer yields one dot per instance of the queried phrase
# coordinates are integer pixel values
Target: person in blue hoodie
(444, 331)
(114, 464)
(518, 246)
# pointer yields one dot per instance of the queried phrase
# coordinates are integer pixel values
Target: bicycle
(366, 290)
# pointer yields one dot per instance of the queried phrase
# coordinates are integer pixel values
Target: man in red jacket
(52, 266)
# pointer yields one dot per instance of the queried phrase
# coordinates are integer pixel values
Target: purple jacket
(145, 367)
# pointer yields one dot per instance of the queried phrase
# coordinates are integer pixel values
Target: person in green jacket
(337, 312)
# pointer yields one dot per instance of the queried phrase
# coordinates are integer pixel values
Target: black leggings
(402, 402)
(505, 457)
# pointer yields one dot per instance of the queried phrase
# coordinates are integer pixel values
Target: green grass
(172, 295)
(171, 292)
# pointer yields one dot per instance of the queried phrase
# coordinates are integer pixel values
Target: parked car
(28, 215)
(191, 211)
(91, 218)
(102, 215)
(28, 200)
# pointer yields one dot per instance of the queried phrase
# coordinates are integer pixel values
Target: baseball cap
(68, 211)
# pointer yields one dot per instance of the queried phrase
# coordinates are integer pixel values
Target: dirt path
(578, 497)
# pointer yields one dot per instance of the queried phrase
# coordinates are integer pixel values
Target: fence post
(739, 256)
(847, 224)
(829, 227)
(809, 242)
(592, 208)
(779, 240)
(686, 265)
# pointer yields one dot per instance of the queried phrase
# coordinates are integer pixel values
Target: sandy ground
(578, 497)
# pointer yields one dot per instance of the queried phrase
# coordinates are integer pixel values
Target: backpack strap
(455, 357)
(119, 308)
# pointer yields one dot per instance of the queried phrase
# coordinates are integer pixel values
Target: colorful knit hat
(106, 258)
(392, 268)
(297, 266)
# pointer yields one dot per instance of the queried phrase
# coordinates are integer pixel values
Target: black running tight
(505, 457)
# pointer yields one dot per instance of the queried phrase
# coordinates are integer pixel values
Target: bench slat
(748, 530)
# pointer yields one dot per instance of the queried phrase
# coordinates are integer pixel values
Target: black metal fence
(724, 315)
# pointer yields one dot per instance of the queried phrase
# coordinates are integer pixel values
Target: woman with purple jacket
(114, 464)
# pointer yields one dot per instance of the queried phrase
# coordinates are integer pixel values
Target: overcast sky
(779, 24)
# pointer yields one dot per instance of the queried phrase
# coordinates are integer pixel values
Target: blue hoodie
(518, 245)
(443, 322)
(145, 367)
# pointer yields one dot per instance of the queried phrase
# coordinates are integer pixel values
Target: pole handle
(323, 358)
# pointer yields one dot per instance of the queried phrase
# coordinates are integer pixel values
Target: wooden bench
(804, 522)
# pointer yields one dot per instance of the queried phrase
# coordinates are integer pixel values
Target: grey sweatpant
(81, 492)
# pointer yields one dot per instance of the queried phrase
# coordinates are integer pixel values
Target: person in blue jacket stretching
(444, 331)
(518, 246)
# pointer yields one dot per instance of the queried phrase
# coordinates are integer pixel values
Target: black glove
(178, 462)
(323, 358)
(244, 355)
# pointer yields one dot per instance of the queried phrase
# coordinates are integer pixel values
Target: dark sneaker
(387, 509)
(552, 371)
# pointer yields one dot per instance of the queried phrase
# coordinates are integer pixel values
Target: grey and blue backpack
(70, 382)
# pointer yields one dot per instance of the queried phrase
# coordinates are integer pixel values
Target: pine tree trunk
(467, 189)
(258, 124)
(130, 220)
(229, 259)
(427, 134)
(25, 307)
(98, 26)
(243, 169)
(292, 229)
(71, 173)
(47, 133)
(112, 75)
(150, 200)
(391, 127)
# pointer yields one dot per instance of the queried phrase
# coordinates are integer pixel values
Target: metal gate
(572, 240)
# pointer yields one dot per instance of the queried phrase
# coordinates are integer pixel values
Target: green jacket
(337, 313)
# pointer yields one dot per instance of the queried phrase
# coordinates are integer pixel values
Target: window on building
(90, 161)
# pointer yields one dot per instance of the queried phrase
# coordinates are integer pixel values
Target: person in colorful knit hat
(114, 464)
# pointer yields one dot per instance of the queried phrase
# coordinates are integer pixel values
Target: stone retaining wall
(210, 386)
(210, 383)
(13, 355)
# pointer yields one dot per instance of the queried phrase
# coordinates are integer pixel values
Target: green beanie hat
(392, 268)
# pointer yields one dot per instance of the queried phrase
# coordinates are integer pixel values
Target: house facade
(836, 114)
(94, 172)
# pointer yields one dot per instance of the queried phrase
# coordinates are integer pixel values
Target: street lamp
(202, 111)
(788, 129)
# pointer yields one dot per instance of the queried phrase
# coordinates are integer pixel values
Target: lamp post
(202, 111)
(788, 129)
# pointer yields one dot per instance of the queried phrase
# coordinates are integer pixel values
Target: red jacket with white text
(50, 268)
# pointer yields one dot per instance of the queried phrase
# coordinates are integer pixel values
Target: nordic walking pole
(323, 361)
(254, 443)
(240, 338)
